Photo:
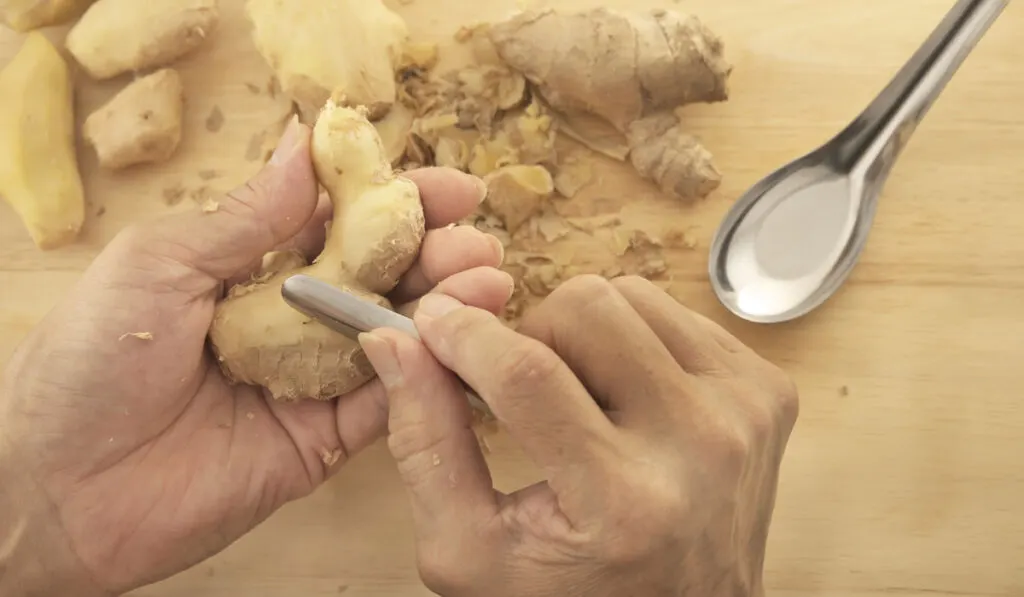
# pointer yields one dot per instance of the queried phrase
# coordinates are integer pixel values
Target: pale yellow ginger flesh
(374, 237)
(320, 48)
(614, 78)
(39, 175)
(516, 193)
(141, 124)
(26, 15)
(121, 36)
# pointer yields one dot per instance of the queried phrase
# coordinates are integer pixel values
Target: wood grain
(904, 475)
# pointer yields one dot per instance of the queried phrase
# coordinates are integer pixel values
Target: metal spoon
(791, 241)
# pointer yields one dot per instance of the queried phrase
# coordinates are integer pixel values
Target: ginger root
(140, 124)
(374, 237)
(26, 15)
(603, 70)
(39, 175)
(120, 36)
(319, 48)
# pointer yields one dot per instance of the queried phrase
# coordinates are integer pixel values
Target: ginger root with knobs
(374, 237)
(604, 71)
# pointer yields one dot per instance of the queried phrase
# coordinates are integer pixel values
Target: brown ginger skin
(375, 236)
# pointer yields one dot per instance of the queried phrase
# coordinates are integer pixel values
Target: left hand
(125, 460)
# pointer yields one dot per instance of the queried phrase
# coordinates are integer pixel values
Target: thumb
(431, 438)
(249, 221)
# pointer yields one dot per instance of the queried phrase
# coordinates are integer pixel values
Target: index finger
(447, 194)
(545, 408)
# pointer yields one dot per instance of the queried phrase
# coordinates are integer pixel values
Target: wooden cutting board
(904, 476)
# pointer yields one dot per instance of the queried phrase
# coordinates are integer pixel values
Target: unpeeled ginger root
(374, 237)
(39, 175)
(612, 77)
(323, 48)
(26, 15)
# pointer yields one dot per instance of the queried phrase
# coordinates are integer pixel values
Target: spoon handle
(877, 136)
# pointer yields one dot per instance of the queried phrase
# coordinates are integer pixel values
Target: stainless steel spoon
(790, 242)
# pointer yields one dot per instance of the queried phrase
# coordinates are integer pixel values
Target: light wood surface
(904, 476)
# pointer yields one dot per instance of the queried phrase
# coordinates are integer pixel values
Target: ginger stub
(141, 124)
(374, 237)
(39, 175)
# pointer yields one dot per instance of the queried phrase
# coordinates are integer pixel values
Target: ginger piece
(374, 237)
(621, 66)
(26, 15)
(120, 36)
(141, 124)
(39, 175)
(660, 151)
(319, 48)
(516, 193)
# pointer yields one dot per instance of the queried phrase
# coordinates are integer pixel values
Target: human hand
(125, 460)
(668, 493)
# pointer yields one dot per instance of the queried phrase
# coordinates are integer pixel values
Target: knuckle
(582, 291)
(526, 364)
(633, 284)
(785, 395)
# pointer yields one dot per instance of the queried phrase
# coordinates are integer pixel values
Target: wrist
(36, 559)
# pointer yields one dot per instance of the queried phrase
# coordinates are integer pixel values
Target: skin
(668, 494)
(85, 414)
(668, 491)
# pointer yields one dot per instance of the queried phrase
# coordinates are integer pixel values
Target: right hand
(669, 492)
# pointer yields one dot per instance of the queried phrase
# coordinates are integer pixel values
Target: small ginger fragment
(419, 55)
(573, 174)
(39, 174)
(324, 48)
(377, 228)
(138, 335)
(25, 15)
(121, 36)
(451, 153)
(210, 206)
(516, 193)
(677, 162)
(141, 124)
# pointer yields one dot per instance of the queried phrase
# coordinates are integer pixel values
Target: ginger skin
(320, 48)
(115, 37)
(27, 15)
(375, 236)
(139, 125)
(39, 175)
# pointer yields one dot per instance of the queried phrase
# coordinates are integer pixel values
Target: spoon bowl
(790, 242)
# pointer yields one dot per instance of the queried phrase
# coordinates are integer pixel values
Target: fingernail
(499, 247)
(287, 142)
(436, 305)
(481, 189)
(383, 358)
